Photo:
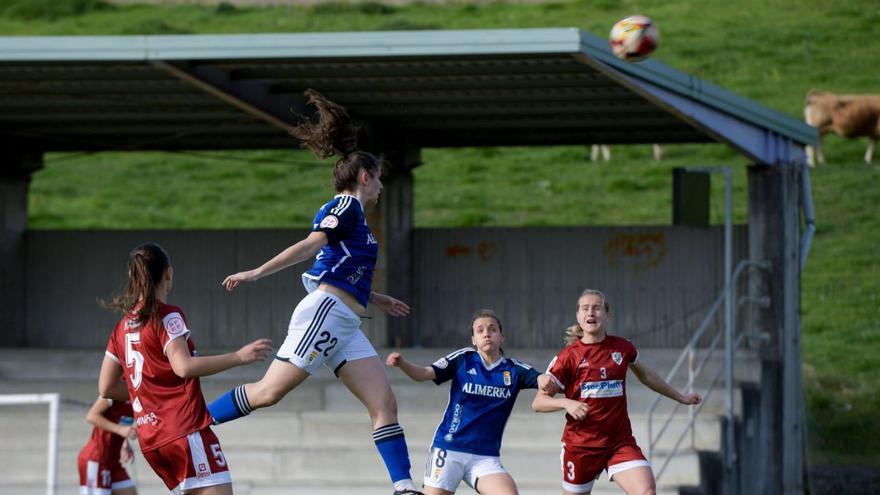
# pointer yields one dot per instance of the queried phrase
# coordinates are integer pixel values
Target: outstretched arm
(300, 251)
(186, 365)
(546, 402)
(657, 384)
(414, 371)
(388, 304)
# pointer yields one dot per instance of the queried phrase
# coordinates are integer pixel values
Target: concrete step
(602, 487)
(319, 432)
(316, 466)
(26, 427)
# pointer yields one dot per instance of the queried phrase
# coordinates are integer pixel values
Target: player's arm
(110, 384)
(389, 305)
(126, 453)
(545, 401)
(414, 371)
(302, 250)
(653, 381)
(96, 418)
(186, 365)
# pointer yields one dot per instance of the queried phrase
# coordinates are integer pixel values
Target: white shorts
(445, 469)
(323, 330)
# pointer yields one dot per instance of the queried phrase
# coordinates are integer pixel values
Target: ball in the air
(634, 38)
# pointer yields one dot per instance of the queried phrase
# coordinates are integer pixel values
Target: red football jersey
(103, 447)
(595, 374)
(166, 407)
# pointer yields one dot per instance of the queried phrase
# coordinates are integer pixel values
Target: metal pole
(691, 411)
(52, 461)
(730, 457)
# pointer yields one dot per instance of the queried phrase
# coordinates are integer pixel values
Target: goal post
(54, 401)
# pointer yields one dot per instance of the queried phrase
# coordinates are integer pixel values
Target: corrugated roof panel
(441, 88)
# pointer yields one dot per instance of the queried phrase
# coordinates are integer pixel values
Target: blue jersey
(480, 400)
(348, 259)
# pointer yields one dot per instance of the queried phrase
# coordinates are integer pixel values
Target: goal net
(53, 401)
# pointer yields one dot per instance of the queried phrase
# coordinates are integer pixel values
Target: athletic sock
(392, 447)
(231, 405)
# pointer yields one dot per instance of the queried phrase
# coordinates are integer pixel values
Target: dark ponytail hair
(147, 264)
(334, 133)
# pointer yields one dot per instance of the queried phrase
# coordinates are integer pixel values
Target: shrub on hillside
(50, 9)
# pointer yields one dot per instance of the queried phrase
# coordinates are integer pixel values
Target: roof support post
(392, 223)
(15, 178)
(774, 236)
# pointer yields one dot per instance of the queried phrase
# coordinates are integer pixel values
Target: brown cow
(846, 115)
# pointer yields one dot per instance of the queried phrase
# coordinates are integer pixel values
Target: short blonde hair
(575, 332)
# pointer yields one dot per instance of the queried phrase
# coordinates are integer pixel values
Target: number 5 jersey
(166, 406)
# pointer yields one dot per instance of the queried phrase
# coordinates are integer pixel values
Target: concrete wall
(659, 280)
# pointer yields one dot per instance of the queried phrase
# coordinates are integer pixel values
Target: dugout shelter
(409, 90)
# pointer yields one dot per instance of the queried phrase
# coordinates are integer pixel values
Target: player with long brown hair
(152, 349)
(325, 326)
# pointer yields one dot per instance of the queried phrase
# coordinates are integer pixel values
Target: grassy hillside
(772, 51)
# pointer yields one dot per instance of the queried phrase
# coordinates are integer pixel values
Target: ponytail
(573, 334)
(334, 133)
(147, 264)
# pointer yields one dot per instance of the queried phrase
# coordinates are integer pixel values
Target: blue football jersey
(348, 259)
(481, 398)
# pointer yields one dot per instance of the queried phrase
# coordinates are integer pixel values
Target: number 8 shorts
(323, 330)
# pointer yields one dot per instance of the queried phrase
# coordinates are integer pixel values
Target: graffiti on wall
(641, 251)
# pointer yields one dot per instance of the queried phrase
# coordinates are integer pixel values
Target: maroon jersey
(596, 375)
(166, 407)
(103, 447)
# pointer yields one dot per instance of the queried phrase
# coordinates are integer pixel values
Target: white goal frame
(54, 400)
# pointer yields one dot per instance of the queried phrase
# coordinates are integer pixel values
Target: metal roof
(436, 88)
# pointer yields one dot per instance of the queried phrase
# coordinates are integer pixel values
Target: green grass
(772, 51)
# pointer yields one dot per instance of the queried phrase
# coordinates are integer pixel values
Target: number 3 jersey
(166, 407)
(596, 375)
(480, 400)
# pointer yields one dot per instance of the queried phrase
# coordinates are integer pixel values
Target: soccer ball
(633, 38)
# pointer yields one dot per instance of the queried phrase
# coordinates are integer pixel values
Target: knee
(650, 490)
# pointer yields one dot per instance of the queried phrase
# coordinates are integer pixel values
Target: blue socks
(392, 447)
(232, 405)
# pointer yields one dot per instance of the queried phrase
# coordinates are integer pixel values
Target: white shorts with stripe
(323, 330)
(446, 469)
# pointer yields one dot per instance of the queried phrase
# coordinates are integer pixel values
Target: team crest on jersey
(507, 378)
(329, 222)
(617, 357)
(584, 363)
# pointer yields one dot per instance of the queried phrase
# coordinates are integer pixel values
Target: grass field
(772, 51)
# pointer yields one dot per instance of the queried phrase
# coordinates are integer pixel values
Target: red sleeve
(559, 369)
(112, 351)
(632, 354)
(173, 326)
